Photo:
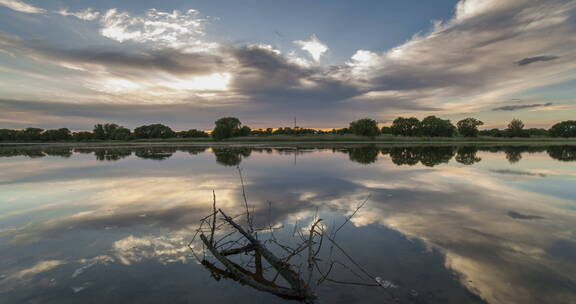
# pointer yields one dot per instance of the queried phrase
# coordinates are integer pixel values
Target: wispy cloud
(522, 107)
(88, 14)
(22, 7)
(529, 60)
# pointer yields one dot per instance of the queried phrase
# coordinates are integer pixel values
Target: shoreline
(291, 141)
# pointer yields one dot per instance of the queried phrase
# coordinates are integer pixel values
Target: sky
(186, 63)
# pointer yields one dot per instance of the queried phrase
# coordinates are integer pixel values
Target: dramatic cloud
(529, 60)
(175, 29)
(313, 46)
(461, 65)
(466, 60)
(522, 107)
(88, 14)
(22, 7)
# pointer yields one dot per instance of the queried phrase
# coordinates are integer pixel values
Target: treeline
(228, 127)
(107, 131)
(233, 156)
(433, 126)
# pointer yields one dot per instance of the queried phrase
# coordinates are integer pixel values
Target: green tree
(433, 126)
(516, 129)
(564, 129)
(386, 130)
(244, 131)
(193, 133)
(226, 127)
(364, 127)
(405, 126)
(468, 127)
(154, 131)
(30, 134)
(99, 132)
(121, 133)
(59, 134)
(7, 134)
(83, 136)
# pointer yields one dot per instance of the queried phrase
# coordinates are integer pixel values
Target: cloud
(266, 76)
(529, 60)
(522, 107)
(175, 29)
(22, 7)
(313, 46)
(465, 61)
(461, 65)
(88, 14)
(517, 172)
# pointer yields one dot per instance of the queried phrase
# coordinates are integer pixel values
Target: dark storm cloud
(522, 107)
(145, 60)
(269, 77)
(529, 60)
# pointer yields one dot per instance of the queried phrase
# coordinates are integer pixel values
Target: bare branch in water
(230, 243)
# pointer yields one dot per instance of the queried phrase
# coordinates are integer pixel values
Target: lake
(440, 224)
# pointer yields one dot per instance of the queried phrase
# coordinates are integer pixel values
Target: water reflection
(231, 156)
(429, 156)
(446, 224)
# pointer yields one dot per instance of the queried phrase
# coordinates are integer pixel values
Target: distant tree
(83, 136)
(226, 127)
(99, 132)
(492, 132)
(364, 127)
(342, 131)
(434, 126)
(537, 132)
(30, 134)
(244, 131)
(7, 134)
(516, 129)
(121, 133)
(192, 133)
(109, 130)
(405, 126)
(564, 129)
(154, 131)
(468, 127)
(386, 130)
(60, 134)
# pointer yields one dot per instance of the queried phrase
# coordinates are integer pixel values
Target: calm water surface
(444, 224)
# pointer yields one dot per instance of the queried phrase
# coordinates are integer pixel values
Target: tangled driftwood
(228, 242)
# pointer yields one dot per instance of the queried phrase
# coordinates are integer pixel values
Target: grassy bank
(312, 139)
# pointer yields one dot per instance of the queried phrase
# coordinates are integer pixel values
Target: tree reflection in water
(429, 156)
